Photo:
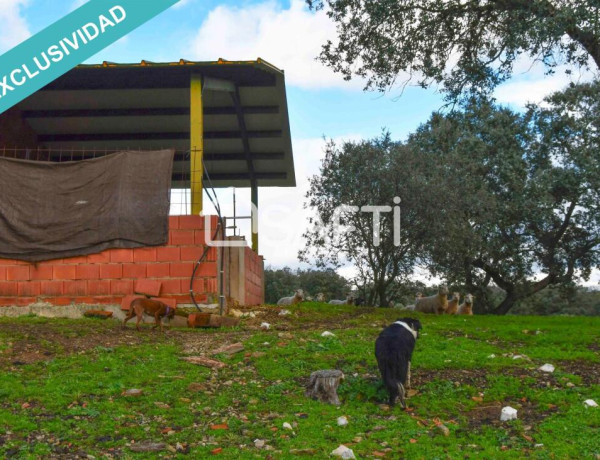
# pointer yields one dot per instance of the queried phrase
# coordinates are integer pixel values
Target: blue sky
(320, 103)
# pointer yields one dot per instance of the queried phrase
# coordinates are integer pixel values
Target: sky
(321, 104)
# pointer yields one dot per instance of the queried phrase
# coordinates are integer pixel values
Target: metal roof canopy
(147, 106)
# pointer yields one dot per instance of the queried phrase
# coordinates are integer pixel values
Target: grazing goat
(453, 304)
(434, 304)
(349, 301)
(417, 297)
(296, 298)
(320, 297)
(466, 308)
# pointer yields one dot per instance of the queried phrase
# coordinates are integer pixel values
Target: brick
(167, 254)
(207, 269)
(144, 255)
(181, 237)
(171, 287)
(64, 272)
(99, 258)
(148, 287)
(157, 270)
(98, 287)
(9, 288)
(2, 273)
(17, 273)
(121, 287)
(29, 288)
(41, 272)
(191, 253)
(75, 288)
(51, 288)
(107, 300)
(180, 270)
(211, 256)
(24, 301)
(173, 222)
(76, 260)
(191, 222)
(111, 271)
(126, 301)
(87, 272)
(61, 301)
(134, 271)
(199, 237)
(121, 255)
(198, 285)
(54, 262)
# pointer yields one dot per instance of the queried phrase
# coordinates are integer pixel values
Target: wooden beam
(196, 143)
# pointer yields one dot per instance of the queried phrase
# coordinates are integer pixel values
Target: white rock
(508, 413)
(492, 356)
(235, 313)
(265, 326)
(547, 368)
(538, 445)
(518, 357)
(590, 403)
(285, 313)
(259, 443)
(287, 426)
(342, 421)
(327, 334)
(343, 452)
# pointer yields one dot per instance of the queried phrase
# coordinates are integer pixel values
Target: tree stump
(323, 386)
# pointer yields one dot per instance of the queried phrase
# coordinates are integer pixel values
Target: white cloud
(180, 4)
(14, 28)
(290, 39)
(530, 84)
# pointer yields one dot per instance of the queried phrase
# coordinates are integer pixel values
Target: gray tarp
(54, 210)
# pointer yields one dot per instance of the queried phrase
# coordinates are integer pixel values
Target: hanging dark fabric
(55, 210)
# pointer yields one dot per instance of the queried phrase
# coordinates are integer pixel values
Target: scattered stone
(206, 362)
(327, 334)
(265, 326)
(285, 313)
(287, 426)
(161, 405)
(285, 335)
(229, 349)
(342, 421)
(343, 452)
(492, 356)
(258, 354)
(570, 384)
(443, 429)
(378, 428)
(539, 445)
(196, 387)
(590, 403)
(508, 413)
(236, 313)
(547, 368)
(259, 443)
(148, 446)
(133, 392)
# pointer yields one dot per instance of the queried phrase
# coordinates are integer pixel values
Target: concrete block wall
(107, 277)
(254, 274)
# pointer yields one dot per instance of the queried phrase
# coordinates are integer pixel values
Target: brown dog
(154, 308)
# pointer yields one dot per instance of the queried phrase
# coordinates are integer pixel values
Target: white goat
(466, 308)
(296, 298)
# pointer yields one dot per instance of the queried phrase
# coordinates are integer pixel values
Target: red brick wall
(108, 276)
(254, 273)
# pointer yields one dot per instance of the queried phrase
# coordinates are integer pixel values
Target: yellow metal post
(254, 200)
(196, 143)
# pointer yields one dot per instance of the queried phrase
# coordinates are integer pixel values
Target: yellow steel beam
(196, 143)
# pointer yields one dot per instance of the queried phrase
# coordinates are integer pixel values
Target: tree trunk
(509, 301)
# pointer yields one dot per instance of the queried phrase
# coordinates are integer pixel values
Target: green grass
(68, 399)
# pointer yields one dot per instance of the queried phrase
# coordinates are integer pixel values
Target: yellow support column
(196, 143)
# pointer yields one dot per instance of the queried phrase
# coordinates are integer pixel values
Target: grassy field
(63, 384)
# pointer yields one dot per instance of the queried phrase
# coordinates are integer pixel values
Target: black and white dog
(393, 350)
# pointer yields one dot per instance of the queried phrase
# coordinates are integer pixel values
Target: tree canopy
(468, 45)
